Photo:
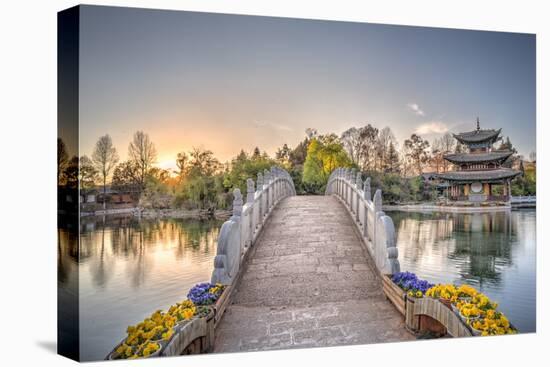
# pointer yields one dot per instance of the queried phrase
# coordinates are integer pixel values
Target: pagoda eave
(496, 157)
(497, 175)
(478, 136)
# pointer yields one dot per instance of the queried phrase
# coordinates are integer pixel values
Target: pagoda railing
(377, 229)
(240, 232)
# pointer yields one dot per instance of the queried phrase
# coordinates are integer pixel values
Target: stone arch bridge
(305, 271)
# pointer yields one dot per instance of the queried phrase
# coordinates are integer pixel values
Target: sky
(231, 82)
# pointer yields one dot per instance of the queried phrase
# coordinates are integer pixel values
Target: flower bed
(205, 293)
(411, 284)
(474, 308)
(149, 337)
(402, 284)
(479, 314)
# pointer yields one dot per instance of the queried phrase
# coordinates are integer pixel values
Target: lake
(130, 268)
(494, 252)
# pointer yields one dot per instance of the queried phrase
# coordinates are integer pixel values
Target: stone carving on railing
(376, 227)
(239, 233)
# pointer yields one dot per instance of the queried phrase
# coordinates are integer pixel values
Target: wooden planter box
(221, 304)
(395, 294)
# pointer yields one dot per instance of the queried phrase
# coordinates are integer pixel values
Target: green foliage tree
(391, 163)
(88, 173)
(126, 176)
(416, 147)
(244, 167)
(324, 154)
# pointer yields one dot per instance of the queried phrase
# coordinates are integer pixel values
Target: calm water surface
(495, 252)
(128, 269)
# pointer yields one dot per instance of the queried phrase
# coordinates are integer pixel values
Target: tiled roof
(496, 174)
(478, 157)
(477, 136)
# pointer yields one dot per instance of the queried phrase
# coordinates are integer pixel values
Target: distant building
(115, 198)
(479, 174)
(432, 183)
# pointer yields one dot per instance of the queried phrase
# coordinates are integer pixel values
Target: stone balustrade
(239, 233)
(376, 228)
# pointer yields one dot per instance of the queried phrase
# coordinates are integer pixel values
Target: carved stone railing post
(250, 190)
(358, 186)
(228, 257)
(351, 184)
(366, 197)
(267, 181)
(366, 189)
(259, 188)
(250, 193)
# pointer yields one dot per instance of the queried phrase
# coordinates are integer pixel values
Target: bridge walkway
(308, 282)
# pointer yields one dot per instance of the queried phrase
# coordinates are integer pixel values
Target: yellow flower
(418, 294)
(168, 334)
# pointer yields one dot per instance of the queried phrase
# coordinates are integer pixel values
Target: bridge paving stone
(308, 283)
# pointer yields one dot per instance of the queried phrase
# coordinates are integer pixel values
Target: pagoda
(479, 175)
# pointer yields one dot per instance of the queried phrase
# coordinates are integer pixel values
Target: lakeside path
(308, 283)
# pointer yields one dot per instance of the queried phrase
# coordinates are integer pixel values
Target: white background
(28, 196)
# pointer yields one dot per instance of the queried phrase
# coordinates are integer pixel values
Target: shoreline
(220, 214)
(430, 208)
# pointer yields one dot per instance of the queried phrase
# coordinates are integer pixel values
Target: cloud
(416, 109)
(272, 125)
(433, 127)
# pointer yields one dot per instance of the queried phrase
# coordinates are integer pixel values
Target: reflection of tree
(141, 268)
(484, 248)
(478, 245)
(101, 271)
(67, 250)
(61, 269)
(424, 232)
(111, 241)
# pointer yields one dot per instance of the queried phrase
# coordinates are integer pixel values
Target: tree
(324, 154)
(202, 162)
(417, 153)
(88, 173)
(391, 163)
(126, 176)
(352, 143)
(436, 158)
(282, 155)
(62, 160)
(243, 167)
(385, 138)
(533, 156)
(369, 136)
(182, 161)
(142, 152)
(507, 146)
(70, 174)
(297, 156)
(447, 145)
(256, 154)
(104, 159)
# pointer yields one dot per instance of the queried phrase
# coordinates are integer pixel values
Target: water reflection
(495, 252)
(126, 268)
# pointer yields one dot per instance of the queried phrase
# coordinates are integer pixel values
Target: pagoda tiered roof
(496, 156)
(478, 136)
(487, 175)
